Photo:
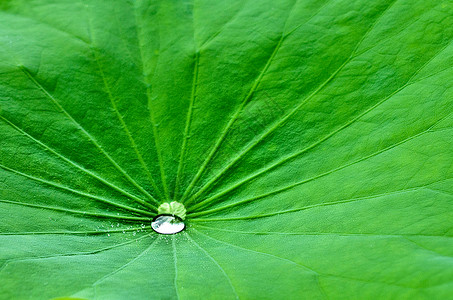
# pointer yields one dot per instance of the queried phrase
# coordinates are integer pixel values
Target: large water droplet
(167, 224)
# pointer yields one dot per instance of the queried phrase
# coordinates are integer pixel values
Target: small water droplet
(108, 234)
(167, 224)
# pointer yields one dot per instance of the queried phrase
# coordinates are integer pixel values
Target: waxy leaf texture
(310, 141)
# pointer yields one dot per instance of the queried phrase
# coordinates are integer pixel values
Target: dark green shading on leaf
(310, 142)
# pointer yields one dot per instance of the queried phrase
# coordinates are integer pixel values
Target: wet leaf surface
(310, 142)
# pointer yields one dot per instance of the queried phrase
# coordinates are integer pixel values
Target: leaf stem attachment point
(173, 208)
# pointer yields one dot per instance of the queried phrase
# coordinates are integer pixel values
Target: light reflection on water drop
(167, 224)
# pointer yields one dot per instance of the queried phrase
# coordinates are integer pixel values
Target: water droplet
(167, 224)
(108, 234)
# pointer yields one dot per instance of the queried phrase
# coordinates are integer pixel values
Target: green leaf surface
(310, 141)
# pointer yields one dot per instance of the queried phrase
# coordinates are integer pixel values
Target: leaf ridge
(90, 137)
(175, 262)
(75, 212)
(74, 164)
(216, 263)
(281, 121)
(313, 233)
(5, 264)
(77, 192)
(188, 123)
(212, 37)
(315, 273)
(41, 22)
(224, 132)
(86, 232)
(151, 114)
(206, 212)
(334, 170)
(126, 130)
(128, 263)
(320, 141)
(303, 267)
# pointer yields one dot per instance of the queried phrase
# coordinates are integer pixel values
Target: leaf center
(173, 208)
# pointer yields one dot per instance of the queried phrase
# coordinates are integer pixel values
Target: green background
(310, 141)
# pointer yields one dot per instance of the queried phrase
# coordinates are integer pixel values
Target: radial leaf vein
(282, 121)
(291, 157)
(187, 127)
(126, 130)
(175, 263)
(74, 164)
(85, 232)
(211, 211)
(76, 212)
(150, 101)
(280, 190)
(90, 137)
(303, 267)
(99, 281)
(235, 115)
(216, 263)
(314, 233)
(94, 252)
(77, 192)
